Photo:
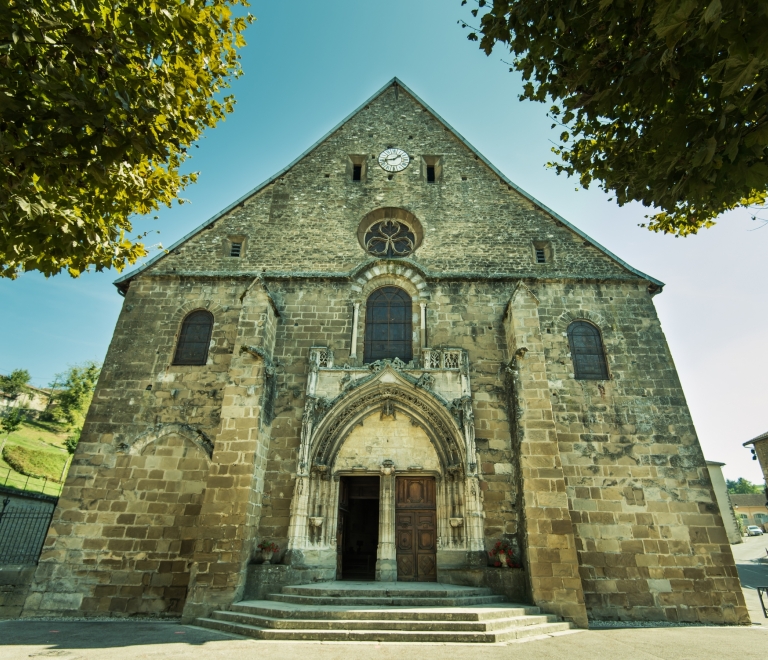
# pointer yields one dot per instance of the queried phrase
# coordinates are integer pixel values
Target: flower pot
(503, 559)
(266, 556)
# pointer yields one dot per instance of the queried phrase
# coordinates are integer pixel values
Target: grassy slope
(45, 437)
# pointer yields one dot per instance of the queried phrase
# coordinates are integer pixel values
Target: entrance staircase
(384, 611)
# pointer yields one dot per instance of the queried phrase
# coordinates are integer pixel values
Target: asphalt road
(752, 563)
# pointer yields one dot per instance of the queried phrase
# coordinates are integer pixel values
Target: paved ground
(132, 640)
(752, 563)
(135, 640)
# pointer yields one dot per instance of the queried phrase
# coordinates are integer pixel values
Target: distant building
(33, 399)
(724, 502)
(760, 449)
(751, 509)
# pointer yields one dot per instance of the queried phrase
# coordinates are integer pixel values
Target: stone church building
(386, 359)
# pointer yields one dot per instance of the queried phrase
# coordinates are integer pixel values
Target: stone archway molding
(399, 273)
(564, 320)
(388, 386)
(140, 442)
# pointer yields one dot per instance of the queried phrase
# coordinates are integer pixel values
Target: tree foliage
(664, 102)
(72, 441)
(15, 384)
(11, 420)
(99, 102)
(742, 487)
(73, 400)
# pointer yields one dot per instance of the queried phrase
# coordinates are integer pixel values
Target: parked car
(754, 530)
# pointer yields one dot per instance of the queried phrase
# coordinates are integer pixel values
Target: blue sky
(309, 64)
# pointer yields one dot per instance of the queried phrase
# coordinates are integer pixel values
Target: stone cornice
(458, 276)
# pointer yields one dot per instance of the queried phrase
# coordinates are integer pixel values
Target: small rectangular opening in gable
(357, 167)
(235, 248)
(542, 252)
(432, 169)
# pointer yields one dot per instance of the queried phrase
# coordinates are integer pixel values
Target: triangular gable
(396, 82)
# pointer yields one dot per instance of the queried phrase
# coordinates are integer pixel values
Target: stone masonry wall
(307, 220)
(459, 316)
(651, 540)
(114, 543)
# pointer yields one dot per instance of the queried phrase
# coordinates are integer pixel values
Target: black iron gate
(22, 534)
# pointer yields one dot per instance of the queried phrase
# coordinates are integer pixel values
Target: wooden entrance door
(416, 529)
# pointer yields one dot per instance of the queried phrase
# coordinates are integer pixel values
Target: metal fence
(12, 479)
(22, 533)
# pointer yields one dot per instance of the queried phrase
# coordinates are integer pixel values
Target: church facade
(385, 360)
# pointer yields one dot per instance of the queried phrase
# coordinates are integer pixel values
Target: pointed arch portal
(380, 405)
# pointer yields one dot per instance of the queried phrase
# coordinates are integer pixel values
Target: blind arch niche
(388, 325)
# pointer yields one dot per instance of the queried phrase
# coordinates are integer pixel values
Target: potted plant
(267, 550)
(502, 555)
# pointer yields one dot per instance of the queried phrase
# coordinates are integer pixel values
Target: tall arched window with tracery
(587, 351)
(194, 338)
(388, 331)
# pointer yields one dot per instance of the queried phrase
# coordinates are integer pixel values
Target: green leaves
(14, 384)
(99, 102)
(11, 420)
(742, 486)
(79, 383)
(665, 102)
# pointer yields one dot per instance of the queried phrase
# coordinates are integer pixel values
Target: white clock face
(394, 160)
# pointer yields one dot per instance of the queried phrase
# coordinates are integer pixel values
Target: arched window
(587, 351)
(388, 325)
(194, 339)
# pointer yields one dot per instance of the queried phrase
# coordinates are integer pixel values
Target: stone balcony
(443, 371)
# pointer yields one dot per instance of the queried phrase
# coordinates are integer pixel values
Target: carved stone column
(386, 558)
(423, 336)
(355, 319)
(473, 514)
(297, 528)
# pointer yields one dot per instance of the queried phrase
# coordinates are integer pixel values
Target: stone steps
(371, 589)
(387, 601)
(384, 611)
(380, 635)
(274, 609)
(381, 623)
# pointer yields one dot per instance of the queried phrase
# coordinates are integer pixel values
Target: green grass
(35, 448)
(34, 462)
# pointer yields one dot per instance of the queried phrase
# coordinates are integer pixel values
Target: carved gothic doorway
(415, 515)
(357, 536)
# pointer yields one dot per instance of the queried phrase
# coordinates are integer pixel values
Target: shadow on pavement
(101, 634)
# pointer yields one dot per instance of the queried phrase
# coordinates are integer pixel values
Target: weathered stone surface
(335, 611)
(181, 470)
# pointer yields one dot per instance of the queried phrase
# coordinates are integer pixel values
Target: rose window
(390, 238)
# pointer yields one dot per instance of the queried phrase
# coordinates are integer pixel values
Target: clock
(394, 160)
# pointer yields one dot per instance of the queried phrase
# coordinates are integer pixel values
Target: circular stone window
(390, 233)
